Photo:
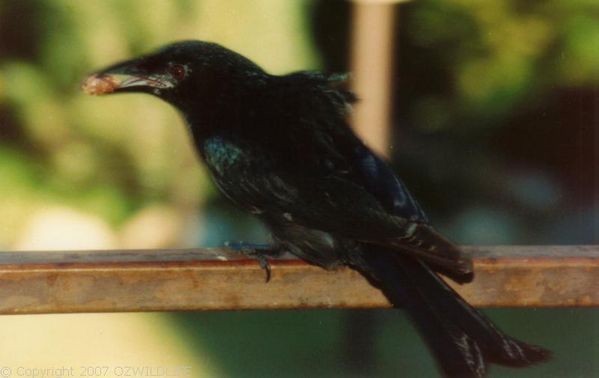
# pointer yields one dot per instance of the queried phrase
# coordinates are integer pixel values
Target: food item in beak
(99, 84)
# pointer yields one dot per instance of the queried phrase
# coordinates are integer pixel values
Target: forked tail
(461, 338)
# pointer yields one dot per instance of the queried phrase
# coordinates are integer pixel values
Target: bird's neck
(220, 102)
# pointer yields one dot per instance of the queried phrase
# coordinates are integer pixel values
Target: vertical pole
(372, 70)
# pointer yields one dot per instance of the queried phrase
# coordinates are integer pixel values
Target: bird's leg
(257, 251)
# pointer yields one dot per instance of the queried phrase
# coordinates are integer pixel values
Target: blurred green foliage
(497, 57)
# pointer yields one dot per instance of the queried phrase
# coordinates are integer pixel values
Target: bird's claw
(255, 251)
(264, 264)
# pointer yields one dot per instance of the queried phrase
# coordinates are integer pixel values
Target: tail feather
(456, 353)
(497, 347)
(461, 338)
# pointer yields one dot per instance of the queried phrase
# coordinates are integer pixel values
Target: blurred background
(488, 110)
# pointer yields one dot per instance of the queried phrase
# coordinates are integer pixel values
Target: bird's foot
(256, 251)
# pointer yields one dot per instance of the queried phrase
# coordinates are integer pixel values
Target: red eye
(177, 71)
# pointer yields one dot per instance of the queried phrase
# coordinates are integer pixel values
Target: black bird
(280, 148)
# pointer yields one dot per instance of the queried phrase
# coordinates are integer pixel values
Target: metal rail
(218, 279)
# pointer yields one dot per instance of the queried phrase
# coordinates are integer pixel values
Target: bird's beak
(130, 76)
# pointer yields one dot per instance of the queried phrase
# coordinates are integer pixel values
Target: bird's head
(177, 72)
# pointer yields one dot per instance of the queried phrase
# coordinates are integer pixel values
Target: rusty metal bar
(217, 279)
